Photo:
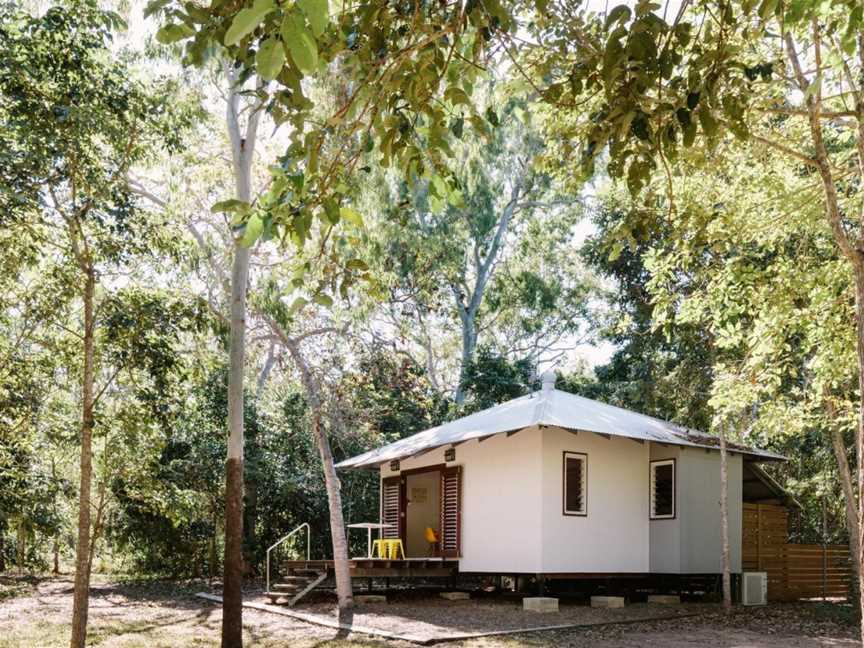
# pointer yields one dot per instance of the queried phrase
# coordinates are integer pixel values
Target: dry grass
(158, 614)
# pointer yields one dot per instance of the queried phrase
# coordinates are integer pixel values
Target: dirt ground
(35, 613)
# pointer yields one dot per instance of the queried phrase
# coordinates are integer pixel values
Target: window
(662, 489)
(575, 483)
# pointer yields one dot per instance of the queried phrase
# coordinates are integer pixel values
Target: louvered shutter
(451, 511)
(391, 506)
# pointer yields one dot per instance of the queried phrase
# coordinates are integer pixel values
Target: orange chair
(432, 539)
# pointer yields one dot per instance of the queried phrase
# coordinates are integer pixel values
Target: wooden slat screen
(451, 511)
(391, 506)
(794, 570)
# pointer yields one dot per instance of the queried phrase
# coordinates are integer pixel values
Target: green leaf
(172, 33)
(620, 13)
(317, 13)
(351, 216)
(247, 20)
(324, 300)
(300, 43)
(270, 58)
(689, 134)
(706, 119)
(456, 95)
(492, 116)
(254, 227)
(297, 304)
(230, 205)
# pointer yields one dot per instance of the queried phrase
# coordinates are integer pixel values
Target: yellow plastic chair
(381, 548)
(432, 539)
(395, 549)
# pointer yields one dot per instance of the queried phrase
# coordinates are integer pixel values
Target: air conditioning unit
(754, 588)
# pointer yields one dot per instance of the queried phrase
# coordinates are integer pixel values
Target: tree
(75, 122)
(482, 247)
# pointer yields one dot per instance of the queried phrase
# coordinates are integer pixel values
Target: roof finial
(548, 380)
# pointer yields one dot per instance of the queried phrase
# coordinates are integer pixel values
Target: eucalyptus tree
(494, 228)
(75, 121)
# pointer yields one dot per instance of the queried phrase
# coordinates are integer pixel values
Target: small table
(369, 526)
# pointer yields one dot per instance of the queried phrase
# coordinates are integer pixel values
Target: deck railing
(290, 535)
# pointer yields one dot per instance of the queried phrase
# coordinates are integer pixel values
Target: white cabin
(555, 484)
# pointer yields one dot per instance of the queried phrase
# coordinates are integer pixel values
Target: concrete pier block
(455, 596)
(664, 599)
(540, 604)
(607, 601)
(366, 599)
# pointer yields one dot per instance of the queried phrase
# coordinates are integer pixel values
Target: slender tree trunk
(724, 522)
(56, 552)
(2, 547)
(839, 446)
(859, 436)
(81, 598)
(21, 546)
(469, 346)
(338, 537)
(337, 523)
(242, 150)
(232, 595)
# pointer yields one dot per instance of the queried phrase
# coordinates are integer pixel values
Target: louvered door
(391, 506)
(451, 511)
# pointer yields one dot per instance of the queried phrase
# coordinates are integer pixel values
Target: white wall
(613, 536)
(690, 543)
(699, 473)
(500, 495)
(666, 534)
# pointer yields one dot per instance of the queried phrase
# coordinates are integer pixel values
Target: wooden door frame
(403, 495)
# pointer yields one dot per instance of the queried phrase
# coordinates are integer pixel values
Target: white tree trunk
(724, 522)
(242, 152)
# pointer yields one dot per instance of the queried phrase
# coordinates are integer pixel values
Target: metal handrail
(279, 542)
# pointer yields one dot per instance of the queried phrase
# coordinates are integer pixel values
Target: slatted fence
(794, 570)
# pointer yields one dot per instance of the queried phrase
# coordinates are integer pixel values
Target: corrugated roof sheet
(547, 407)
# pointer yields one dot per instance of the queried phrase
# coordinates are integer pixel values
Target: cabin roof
(548, 407)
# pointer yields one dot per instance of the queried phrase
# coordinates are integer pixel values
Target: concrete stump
(607, 601)
(540, 604)
(455, 596)
(366, 599)
(664, 599)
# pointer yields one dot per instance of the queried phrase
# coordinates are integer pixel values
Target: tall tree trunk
(242, 152)
(56, 552)
(724, 522)
(859, 436)
(338, 536)
(2, 546)
(337, 523)
(81, 597)
(839, 446)
(232, 594)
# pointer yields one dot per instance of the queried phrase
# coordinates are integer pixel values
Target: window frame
(583, 457)
(651, 465)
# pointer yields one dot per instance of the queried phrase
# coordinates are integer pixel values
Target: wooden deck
(380, 568)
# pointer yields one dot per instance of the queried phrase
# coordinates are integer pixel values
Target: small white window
(575, 483)
(663, 489)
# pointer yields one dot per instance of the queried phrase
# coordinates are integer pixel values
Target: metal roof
(547, 407)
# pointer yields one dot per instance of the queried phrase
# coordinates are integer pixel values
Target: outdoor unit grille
(754, 588)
